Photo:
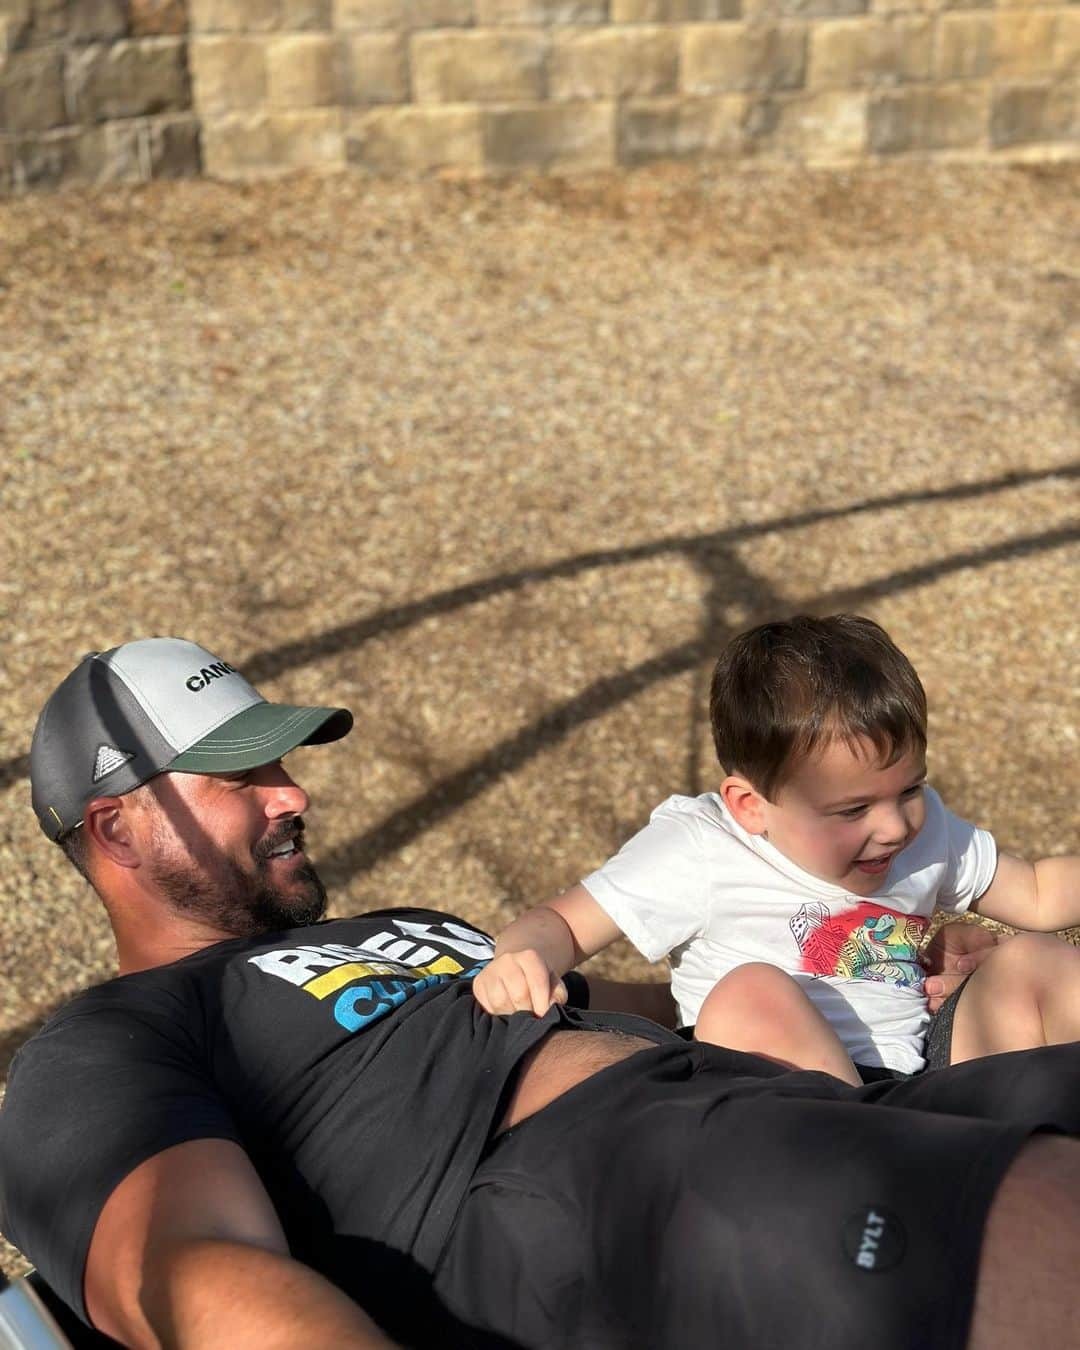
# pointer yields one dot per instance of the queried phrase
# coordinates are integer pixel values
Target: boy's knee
(1031, 956)
(757, 980)
(756, 993)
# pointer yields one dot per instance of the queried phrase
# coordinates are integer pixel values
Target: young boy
(792, 902)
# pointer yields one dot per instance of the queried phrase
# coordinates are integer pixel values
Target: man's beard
(242, 903)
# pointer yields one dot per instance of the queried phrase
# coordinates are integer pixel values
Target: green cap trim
(260, 735)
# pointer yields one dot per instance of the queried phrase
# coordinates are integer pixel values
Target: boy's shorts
(937, 1048)
(692, 1197)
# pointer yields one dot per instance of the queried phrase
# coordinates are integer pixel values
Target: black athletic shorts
(692, 1197)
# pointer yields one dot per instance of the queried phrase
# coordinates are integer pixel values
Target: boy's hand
(518, 982)
(952, 954)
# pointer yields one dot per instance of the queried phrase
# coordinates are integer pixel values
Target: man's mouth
(292, 846)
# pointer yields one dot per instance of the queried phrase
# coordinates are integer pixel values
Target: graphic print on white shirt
(866, 942)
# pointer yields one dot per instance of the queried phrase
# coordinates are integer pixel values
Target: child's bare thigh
(1025, 993)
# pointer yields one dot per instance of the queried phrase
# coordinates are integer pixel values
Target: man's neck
(144, 950)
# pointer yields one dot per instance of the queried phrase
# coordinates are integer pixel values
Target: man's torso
(349, 1059)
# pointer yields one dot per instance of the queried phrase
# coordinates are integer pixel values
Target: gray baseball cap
(158, 704)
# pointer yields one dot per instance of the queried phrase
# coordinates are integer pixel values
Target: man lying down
(274, 1130)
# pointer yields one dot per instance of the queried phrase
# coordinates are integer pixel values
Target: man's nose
(282, 795)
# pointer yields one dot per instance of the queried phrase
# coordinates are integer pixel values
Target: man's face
(228, 849)
(843, 815)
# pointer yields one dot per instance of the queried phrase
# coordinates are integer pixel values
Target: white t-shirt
(695, 886)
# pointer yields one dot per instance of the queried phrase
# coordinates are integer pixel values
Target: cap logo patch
(109, 758)
(214, 671)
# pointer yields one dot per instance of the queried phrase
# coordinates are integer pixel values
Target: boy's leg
(761, 1010)
(1024, 994)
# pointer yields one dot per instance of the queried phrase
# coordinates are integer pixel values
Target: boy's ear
(107, 822)
(745, 803)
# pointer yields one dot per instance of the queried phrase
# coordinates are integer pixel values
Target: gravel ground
(501, 465)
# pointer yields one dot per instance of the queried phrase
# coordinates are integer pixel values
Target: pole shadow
(727, 581)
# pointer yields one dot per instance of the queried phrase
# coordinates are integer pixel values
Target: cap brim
(261, 734)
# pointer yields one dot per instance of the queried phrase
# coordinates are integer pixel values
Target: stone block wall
(94, 90)
(496, 85)
(121, 87)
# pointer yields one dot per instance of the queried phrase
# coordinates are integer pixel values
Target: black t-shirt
(348, 1058)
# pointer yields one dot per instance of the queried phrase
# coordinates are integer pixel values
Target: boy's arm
(1042, 897)
(541, 945)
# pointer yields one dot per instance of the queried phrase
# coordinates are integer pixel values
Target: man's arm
(538, 948)
(1041, 897)
(188, 1252)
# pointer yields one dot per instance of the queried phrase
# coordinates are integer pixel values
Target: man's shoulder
(109, 1004)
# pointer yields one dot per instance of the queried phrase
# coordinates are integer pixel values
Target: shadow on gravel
(710, 553)
(266, 665)
(727, 582)
(399, 828)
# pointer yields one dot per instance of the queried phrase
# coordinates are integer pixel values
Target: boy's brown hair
(783, 688)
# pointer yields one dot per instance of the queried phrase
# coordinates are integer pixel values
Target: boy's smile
(843, 815)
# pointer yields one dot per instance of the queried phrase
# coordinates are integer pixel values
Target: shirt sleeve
(90, 1098)
(656, 887)
(970, 865)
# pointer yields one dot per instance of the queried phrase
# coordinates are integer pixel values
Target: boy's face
(843, 815)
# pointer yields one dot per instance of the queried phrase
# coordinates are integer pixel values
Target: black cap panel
(93, 727)
(123, 716)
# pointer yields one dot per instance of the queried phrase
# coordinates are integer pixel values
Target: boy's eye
(851, 812)
(913, 791)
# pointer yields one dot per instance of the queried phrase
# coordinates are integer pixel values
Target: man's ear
(745, 803)
(107, 821)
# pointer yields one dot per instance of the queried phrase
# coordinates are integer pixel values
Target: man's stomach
(562, 1060)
